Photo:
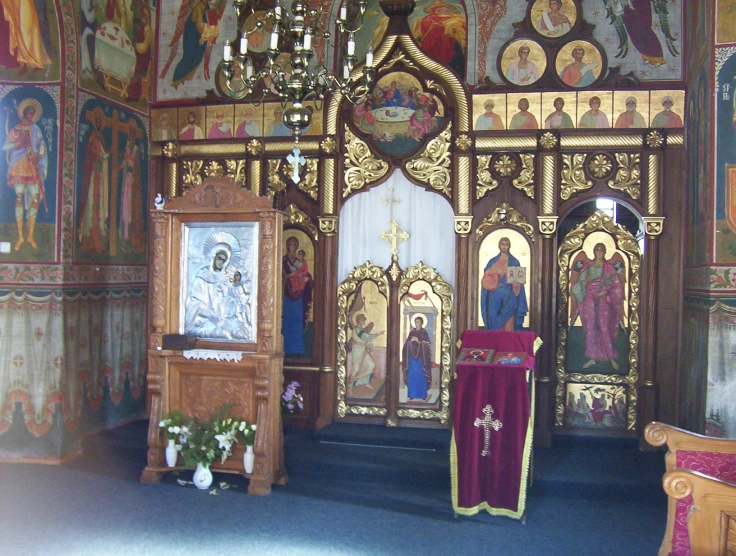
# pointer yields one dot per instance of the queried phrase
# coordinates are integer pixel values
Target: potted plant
(291, 401)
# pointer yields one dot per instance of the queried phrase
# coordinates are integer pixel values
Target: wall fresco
(28, 173)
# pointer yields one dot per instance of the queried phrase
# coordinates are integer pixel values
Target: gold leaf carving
(236, 171)
(366, 271)
(486, 182)
(572, 243)
(214, 169)
(505, 215)
(573, 175)
(445, 293)
(399, 57)
(328, 145)
(192, 173)
(524, 182)
(309, 183)
(628, 175)
(255, 147)
(433, 166)
(504, 166)
(547, 140)
(600, 165)
(463, 142)
(432, 85)
(361, 166)
(276, 183)
(295, 216)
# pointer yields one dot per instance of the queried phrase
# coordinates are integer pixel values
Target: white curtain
(427, 218)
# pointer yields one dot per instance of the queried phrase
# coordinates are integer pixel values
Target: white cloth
(427, 217)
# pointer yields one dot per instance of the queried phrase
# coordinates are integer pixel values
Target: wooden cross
(296, 159)
(117, 126)
(394, 236)
(488, 423)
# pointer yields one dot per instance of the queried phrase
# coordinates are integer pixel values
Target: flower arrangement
(291, 401)
(172, 424)
(247, 433)
(205, 441)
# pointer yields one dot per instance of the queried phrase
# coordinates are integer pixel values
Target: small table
(493, 424)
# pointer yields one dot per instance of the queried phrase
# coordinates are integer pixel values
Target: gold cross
(394, 236)
(488, 423)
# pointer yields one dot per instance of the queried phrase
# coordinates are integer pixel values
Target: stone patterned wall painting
(112, 185)
(28, 173)
(116, 45)
(725, 186)
(640, 36)
(191, 37)
(29, 41)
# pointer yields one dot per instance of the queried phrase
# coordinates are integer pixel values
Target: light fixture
(293, 31)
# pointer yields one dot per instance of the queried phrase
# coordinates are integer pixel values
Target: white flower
(242, 426)
(225, 441)
(253, 426)
(163, 423)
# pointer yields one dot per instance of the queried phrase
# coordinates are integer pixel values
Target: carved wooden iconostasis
(520, 170)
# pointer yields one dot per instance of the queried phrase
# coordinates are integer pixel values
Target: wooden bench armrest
(659, 434)
(712, 511)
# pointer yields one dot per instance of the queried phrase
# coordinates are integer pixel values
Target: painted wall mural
(698, 141)
(28, 173)
(191, 37)
(116, 49)
(112, 185)
(640, 36)
(53, 391)
(29, 41)
(726, 21)
(439, 26)
(725, 171)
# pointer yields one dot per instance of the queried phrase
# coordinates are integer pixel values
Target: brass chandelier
(293, 31)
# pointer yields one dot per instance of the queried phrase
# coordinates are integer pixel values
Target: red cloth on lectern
(495, 482)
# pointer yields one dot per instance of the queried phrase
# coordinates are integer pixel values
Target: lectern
(215, 274)
(493, 422)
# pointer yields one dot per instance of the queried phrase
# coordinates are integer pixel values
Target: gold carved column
(653, 222)
(547, 219)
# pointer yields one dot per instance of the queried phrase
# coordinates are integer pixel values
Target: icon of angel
(197, 29)
(360, 345)
(598, 299)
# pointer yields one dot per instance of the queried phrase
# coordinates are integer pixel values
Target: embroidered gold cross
(488, 423)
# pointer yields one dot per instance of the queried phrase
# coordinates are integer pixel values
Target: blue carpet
(374, 498)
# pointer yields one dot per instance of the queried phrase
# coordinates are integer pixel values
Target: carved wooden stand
(195, 386)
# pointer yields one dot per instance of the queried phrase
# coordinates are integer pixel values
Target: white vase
(172, 454)
(248, 459)
(202, 476)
